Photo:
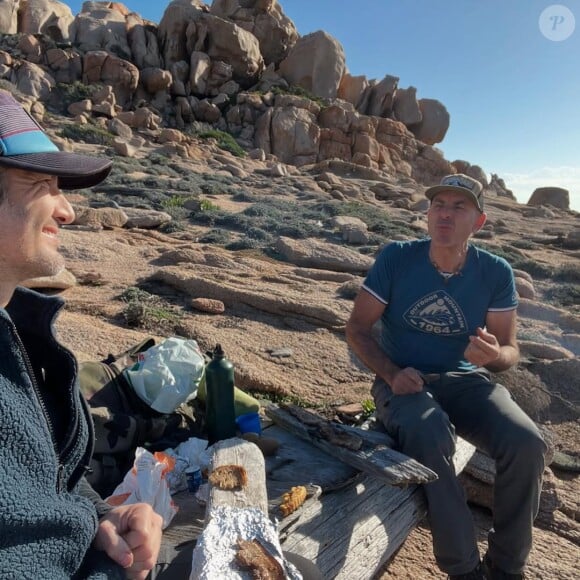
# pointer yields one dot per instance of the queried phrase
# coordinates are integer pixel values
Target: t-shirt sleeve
(505, 296)
(378, 280)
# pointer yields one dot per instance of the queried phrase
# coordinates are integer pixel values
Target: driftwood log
(366, 451)
(353, 529)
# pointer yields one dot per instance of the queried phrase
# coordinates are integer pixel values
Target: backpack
(123, 422)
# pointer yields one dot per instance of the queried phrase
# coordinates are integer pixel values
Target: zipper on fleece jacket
(60, 475)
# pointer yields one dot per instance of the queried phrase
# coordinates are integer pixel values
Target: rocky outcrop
(434, 123)
(265, 19)
(49, 17)
(102, 26)
(555, 196)
(315, 254)
(315, 63)
(223, 40)
(218, 65)
(9, 16)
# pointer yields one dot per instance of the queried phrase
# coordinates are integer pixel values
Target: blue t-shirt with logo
(428, 319)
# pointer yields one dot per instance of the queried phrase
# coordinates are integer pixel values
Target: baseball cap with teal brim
(24, 145)
(459, 183)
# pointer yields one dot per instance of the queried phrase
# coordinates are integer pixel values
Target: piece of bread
(254, 557)
(292, 500)
(229, 477)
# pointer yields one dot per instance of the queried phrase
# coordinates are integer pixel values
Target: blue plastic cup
(249, 423)
(193, 477)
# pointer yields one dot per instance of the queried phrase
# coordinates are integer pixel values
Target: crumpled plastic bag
(146, 483)
(167, 374)
(186, 454)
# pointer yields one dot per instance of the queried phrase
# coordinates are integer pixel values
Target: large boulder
(9, 16)
(382, 96)
(554, 196)
(433, 127)
(265, 19)
(172, 32)
(32, 80)
(295, 135)
(223, 40)
(66, 64)
(313, 253)
(352, 89)
(121, 75)
(102, 26)
(49, 17)
(142, 39)
(199, 71)
(315, 63)
(406, 108)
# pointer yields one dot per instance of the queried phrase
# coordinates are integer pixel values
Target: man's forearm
(509, 356)
(370, 353)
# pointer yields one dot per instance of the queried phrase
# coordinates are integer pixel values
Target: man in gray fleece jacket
(52, 524)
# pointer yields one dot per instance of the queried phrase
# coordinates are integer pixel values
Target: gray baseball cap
(459, 183)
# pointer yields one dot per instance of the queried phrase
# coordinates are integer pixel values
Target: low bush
(566, 295)
(144, 310)
(87, 133)
(216, 236)
(225, 141)
(69, 93)
(568, 273)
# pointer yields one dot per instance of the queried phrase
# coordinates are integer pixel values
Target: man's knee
(426, 434)
(525, 445)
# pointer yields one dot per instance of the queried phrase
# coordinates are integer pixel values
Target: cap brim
(74, 171)
(433, 191)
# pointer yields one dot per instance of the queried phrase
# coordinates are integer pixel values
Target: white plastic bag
(168, 374)
(146, 483)
(187, 454)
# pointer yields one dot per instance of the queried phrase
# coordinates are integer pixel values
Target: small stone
(351, 409)
(208, 305)
(282, 352)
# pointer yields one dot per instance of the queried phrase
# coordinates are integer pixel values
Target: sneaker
(494, 573)
(476, 574)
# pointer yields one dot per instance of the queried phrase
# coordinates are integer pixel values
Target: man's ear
(479, 222)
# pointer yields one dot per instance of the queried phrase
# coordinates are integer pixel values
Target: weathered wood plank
(297, 462)
(350, 533)
(239, 452)
(375, 459)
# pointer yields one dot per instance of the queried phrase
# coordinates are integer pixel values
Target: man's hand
(131, 536)
(482, 349)
(406, 382)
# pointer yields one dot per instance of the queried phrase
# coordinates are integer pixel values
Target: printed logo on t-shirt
(436, 313)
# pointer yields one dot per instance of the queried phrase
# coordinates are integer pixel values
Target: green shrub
(87, 133)
(177, 201)
(369, 408)
(144, 310)
(566, 295)
(73, 92)
(299, 92)
(568, 273)
(225, 141)
(207, 205)
(244, 243)
(216, 236)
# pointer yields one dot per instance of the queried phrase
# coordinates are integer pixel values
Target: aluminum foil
(216, 549)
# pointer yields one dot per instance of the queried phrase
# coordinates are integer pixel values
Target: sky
(508, 72)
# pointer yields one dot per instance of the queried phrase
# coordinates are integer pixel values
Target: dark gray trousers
(425, 425)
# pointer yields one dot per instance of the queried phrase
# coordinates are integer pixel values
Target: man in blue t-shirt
(448, 316)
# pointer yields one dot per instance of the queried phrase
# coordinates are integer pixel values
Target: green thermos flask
(220, 414)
